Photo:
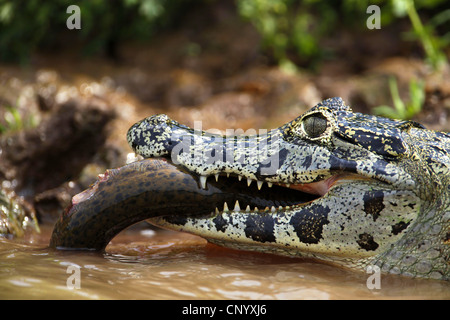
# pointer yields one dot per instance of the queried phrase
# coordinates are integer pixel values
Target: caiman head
(358, 189)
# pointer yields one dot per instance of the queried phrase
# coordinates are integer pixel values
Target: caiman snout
(153, 135)
(254, 156)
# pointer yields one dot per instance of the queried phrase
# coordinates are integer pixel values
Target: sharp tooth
(269, 184)
(217, 211)
(247, 209)
(216, 176)
(203, 181)
(288, 185)
(256, 209)
(266, 209)
(228, 174)
(225, 207)
(240, 178)
(280, 208)
(273, 209)
(236, 206)
(249, 182)
(259, 183)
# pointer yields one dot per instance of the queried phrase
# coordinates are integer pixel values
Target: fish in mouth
(144, 189)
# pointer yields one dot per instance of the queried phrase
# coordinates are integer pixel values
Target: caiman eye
(315, 125)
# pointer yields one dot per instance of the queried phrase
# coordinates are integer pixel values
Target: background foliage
(27, 25)
(291, 30)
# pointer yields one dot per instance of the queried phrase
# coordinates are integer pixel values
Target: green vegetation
(13, 121)
(27, 25)
(292, 31)
(403, 110)
(432, 44)
(287, 26)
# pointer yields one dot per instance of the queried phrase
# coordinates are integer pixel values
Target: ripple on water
(175, 266)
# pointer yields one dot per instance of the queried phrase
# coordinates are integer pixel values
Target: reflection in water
(169, 265)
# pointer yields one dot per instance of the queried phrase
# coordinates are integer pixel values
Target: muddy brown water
(142, 264)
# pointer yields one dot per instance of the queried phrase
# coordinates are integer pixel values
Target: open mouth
(261, 196)
(257, 196)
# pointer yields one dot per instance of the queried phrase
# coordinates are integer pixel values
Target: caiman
(360, 190)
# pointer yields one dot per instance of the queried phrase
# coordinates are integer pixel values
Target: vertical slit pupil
(315, 125)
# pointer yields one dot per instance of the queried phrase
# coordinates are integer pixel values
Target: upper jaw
(264, 157)
(268, 157)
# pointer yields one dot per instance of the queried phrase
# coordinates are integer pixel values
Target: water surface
(168, 265)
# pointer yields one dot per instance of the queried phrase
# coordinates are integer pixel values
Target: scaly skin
(380, 186)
